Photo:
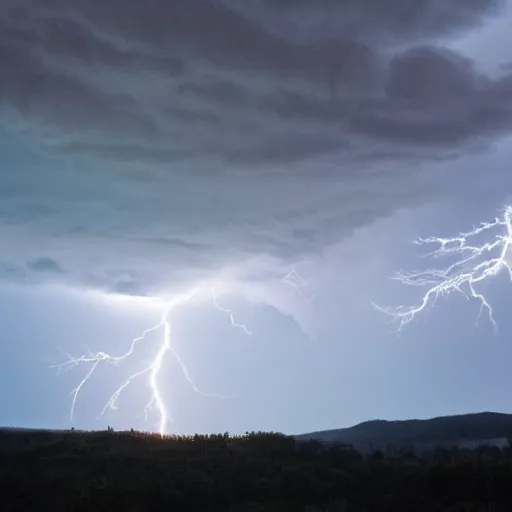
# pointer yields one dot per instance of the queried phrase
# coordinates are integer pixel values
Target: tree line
(258, 471)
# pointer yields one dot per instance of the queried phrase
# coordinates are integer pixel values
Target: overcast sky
(217, 145)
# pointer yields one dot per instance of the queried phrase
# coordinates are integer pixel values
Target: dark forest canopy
(133, 471)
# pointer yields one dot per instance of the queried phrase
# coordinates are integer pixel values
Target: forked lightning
(153, 369)
(477, 260)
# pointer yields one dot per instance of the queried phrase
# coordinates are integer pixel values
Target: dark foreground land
(130, 471)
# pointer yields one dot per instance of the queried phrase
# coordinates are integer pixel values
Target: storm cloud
(144, 139)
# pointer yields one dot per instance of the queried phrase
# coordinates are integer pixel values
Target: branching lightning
(294, 279)
(230, 313)
(153, 369)
(475, 263)
(297, 282)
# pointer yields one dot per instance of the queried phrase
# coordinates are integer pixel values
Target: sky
(225, 147)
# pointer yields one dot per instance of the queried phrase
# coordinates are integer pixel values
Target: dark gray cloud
(370, 20)
(46, 265)
(194, 133)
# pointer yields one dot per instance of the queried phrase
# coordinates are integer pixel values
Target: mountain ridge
(473, 428)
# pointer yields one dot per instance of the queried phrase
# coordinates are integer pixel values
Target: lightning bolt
(297, 282)
(230, 313)
(294, 279)
(475, 262)
(153, 369)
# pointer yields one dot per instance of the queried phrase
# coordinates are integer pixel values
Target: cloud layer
(171, 135)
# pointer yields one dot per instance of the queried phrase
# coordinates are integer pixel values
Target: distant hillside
(462, 430)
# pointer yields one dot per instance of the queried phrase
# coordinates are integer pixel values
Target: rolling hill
(466, 430)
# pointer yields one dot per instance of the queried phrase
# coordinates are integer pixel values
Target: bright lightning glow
(153, 369)
(475, 263)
